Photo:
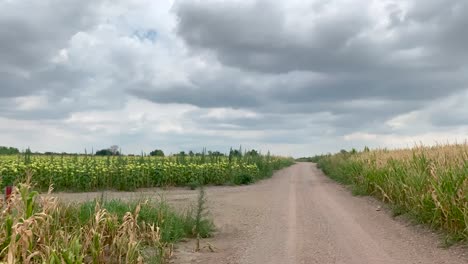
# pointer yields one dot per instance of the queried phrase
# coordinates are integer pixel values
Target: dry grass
(428, 183)
(37, 229)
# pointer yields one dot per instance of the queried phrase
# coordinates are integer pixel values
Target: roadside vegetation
(309, 159)
(429, 184)
(39, 229)
(108, 169)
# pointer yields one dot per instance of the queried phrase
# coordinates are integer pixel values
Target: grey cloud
(32, 33)
(213, 95)
(438, 27)
(256, 37)
(305, 92)
(450, 112)
(424, 60)
(267, 122)
(401, 86)
(56, 79)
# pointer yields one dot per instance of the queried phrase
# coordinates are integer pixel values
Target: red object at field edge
(8, 191)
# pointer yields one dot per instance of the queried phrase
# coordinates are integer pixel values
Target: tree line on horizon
(114, 150)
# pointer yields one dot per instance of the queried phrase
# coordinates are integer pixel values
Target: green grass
(174, 225)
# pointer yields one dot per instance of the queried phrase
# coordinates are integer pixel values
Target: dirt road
(300, 216)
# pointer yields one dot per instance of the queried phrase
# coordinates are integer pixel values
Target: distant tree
(114, 149)
(252, 152)
(305, 159)
(191, 154)
(235, 153)
(217, 153)
(157, 152)
(28, 151)
(104, 152)
(366, 149)
(111, 151)
(8, 150)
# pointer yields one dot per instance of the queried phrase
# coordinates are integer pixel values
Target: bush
(193, 185)
(105, 152)
(243, 179)
(157, 153)
(8, 150)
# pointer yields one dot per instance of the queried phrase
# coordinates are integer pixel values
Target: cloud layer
(294, 77)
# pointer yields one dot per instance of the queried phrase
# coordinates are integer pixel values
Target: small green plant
(244, 179)
(193, 185)
(202, 226)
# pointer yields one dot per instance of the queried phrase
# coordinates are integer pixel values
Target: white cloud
(31, 103)
(136, 115)
(405, 120)
(361, 136)
(229, 113)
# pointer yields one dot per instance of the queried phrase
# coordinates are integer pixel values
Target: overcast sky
(294, 77)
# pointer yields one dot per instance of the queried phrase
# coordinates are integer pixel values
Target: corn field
(430, 184)
(88, 172)
(39, 229)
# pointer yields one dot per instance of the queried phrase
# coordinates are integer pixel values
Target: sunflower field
(89, 172)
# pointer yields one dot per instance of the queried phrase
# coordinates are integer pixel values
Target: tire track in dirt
(292, 223)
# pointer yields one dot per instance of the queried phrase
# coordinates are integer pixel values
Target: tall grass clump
(430, 184)
(38, 229)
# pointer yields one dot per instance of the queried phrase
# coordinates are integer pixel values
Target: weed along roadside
(41, 229)
(427, 184)
(8, 190)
